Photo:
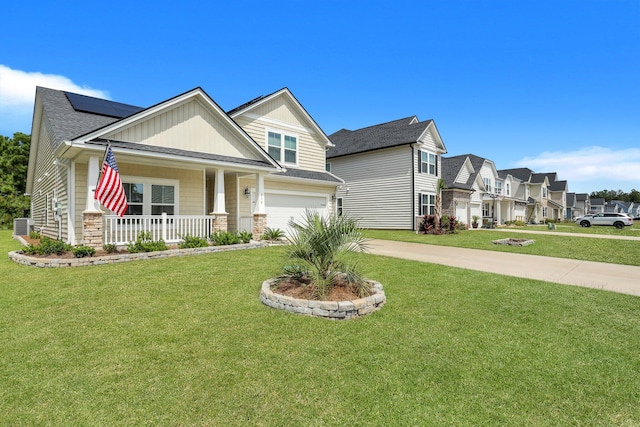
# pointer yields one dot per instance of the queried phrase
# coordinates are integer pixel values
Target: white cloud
(17, 93)
(591, 168)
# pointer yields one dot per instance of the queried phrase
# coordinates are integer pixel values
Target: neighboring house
(534, 191)
(391, 172)
(187, 166)
(597, 205)
(475, 188)
(620, 206)
(557, 199)
(582, 206)
(571, 206)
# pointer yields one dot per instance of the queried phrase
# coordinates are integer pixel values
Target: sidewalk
(612, 277)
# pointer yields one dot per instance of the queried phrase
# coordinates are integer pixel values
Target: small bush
(245, 236)
(110, 248)
(83, 251)
(272, 234)
(519, 223)
(34, 235)
(145, 243)
(221, 238)
(49, 246)
(193, 242)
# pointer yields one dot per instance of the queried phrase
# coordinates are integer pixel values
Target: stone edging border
(336, 310)
(23, 259)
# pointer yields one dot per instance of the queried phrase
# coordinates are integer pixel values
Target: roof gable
(191, 121)
(407, 130)
(523, 174)
(281, 107)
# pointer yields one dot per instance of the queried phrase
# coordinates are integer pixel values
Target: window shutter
(419, 161)
(437, 157)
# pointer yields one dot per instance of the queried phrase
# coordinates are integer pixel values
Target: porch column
(259, 210)
(92, 222)
(219, 209)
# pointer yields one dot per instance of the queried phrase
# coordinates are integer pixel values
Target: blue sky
(549, 85)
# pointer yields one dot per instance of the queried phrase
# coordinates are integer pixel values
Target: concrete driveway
(612, 277)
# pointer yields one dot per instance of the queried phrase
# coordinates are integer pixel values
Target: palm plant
(321, 250)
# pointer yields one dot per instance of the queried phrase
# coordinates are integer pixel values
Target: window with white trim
(427, 204)
(485, 209)
(544, 192)
(428, 163)
(508, 189)
(282, 147)
(498, 187)
(487, 184)
(163, 196)
(339, 206)
(544, 211)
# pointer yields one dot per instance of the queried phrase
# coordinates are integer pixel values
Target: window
(544, 211)
(162, 199)
(544, 192)
(327, 167)
(428, 163)
(283, 148)
(498, 187)
(485, 209)
(508, 189)
(487, 184)
(427, 204)
(147, 196)
(339, 206)
(135, 198)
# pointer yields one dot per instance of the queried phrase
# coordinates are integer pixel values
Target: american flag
(110, 191)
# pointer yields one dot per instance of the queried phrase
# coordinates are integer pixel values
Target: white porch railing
(170, 228)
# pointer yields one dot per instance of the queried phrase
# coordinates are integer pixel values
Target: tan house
(187, 166)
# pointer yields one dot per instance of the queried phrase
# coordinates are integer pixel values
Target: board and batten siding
(279, 115)
(192, 125)
(379, 187)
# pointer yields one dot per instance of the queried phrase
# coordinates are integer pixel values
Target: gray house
(391, 171)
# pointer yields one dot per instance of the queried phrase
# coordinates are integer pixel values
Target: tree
(14, 161)
(438, 208)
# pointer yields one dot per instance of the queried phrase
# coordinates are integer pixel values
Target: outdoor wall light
(247, 193)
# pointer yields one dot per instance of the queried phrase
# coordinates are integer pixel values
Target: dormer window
(282, 147)
(498, 187)
(487, 184)
(544, 192)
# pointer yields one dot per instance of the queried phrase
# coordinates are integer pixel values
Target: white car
(618, 220)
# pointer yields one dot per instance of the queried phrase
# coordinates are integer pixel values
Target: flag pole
(104, 158)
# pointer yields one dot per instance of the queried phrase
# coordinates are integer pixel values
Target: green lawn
(572, 227)
(185, 341)
(601, 250)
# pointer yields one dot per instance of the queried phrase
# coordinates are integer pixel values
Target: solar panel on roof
(103, 107)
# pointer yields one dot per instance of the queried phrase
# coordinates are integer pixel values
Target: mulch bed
(343, 291)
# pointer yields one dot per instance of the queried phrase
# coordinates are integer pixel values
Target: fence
(169, 228)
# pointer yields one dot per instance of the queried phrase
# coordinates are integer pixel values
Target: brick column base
(219, 223)
(259, 224)
(92, 225)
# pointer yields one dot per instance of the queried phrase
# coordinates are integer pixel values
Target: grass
(600, 250)
(572, 227)
(185, 341)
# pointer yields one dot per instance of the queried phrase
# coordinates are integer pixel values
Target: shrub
(448, 225)
(221, 238)
(34, 235)
(272, 234)
(49, 246)
(193, 242)
(321, 248)
(145, 243)
(83, 251)
(110, 248)
(245, 236)
(519, 223)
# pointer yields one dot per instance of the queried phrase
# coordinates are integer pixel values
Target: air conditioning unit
(21, 226)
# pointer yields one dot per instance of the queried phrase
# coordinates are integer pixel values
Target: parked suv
(618, 220)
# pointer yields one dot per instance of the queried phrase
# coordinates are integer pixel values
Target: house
(571, 206)
(558, 199)
(534, 190)
(391, 172)
(597, 205)
(187, 166)
(475, 188)
(583, 205)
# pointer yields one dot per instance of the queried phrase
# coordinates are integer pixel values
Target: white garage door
(461, 213)
(281, 208)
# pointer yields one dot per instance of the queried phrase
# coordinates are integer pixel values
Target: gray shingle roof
(457, 162)
(582, 197)
(385, 135)
(598, 202)
(523, 174)
(67, 123)
(558, 186)
(571, 199)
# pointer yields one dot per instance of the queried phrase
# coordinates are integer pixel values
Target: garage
(461, 213)
(281, 208)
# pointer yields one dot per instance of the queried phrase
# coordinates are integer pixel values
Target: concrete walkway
(599, 275)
